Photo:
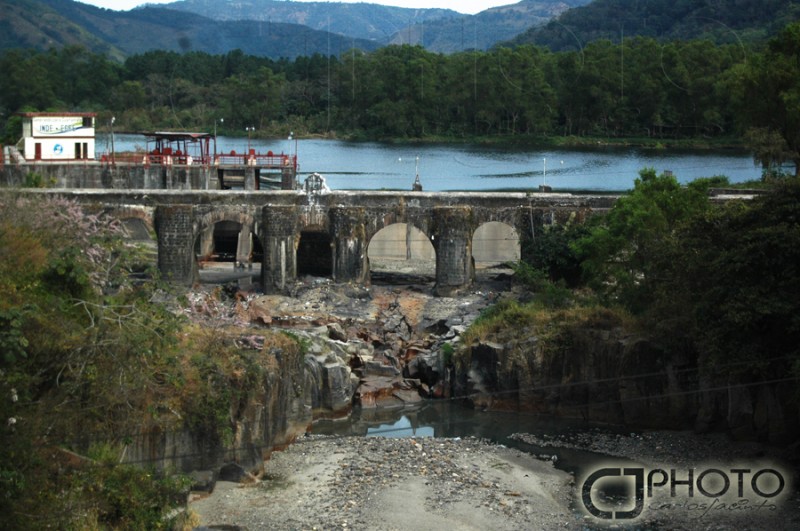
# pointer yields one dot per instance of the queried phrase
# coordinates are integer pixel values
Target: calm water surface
(443, 167)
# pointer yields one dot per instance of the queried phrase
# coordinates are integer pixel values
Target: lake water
(443, 167)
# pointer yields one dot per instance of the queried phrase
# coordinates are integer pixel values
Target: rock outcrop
(371, 347)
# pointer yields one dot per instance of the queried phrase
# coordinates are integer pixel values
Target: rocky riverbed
(373, 483)
(386, 484)
(386, 337)
(436, 483)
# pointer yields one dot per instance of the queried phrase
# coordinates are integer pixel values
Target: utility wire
(533, 389)
(250, 449)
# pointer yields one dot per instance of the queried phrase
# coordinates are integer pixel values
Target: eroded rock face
(270, 417)
(329, 380)
(613, 377)
(598, 378)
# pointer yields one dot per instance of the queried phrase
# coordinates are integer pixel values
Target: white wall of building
(58, 137)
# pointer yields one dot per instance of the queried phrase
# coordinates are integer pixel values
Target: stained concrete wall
(176, 243)
(452, 239)
(120, 176)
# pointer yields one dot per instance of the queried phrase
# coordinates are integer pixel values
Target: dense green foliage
(646, 89)
(720, 279)
(551, 253)
(730, 282)
(75, 339)
(621, 253)
(397, 91)
(767, 92)
(91, 365)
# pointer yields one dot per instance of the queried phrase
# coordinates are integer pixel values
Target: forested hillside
(721, 21)
(438, 30)
(268, 28)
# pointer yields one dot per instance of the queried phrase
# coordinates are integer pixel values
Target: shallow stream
(450, 419)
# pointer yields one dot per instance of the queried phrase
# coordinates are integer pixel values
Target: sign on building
(58, 136)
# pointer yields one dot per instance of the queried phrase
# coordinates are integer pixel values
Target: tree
(621, 251)
(767, 95)
(732, 279)
(769, 149)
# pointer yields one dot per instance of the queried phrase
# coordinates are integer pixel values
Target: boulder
(376, 368)
(378, 391)
(234, 473)
(336, 332)
(203, 481)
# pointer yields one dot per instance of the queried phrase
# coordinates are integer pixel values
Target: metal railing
(268, 160)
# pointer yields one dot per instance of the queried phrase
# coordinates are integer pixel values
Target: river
(444, 167)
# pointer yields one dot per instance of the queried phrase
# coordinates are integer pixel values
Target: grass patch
(509, 322)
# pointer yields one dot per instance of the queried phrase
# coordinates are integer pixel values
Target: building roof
(56, 114)
(177, 135)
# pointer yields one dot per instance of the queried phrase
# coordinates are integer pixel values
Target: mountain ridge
(261, 27)
(277, 32)
(43, 24)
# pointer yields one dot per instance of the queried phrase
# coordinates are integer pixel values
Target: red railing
(147, 159)
(268, 160)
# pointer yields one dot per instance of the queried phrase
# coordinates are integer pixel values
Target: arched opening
(495, 244)
(314, 254)
(228, 251)
(401, 253)
(225, 241)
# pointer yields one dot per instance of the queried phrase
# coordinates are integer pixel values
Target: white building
(58, 136)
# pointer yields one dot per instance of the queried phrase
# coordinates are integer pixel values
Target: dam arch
(400, 249)
(495, 242)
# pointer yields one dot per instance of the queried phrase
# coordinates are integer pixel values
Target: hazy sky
(462, 6)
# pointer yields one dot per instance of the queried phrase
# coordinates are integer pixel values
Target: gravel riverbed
(374, 483)
(395, 484)
(683, 453)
